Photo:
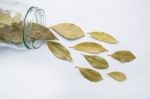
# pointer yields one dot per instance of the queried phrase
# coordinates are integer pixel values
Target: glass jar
(17, 17)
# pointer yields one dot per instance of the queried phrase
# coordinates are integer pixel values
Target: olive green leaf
(105, 37)
(102, 36)
(96, 61)
(90, 74)
(59, 50)
(90, 47)
(123, 56)
(116, 75)
(68, 30)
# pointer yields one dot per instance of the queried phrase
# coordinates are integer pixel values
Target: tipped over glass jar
(22, 26)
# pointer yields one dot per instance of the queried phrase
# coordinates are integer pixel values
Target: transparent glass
(24, 15)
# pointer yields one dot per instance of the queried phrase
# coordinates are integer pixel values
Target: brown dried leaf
(102, 36)
(59, 50)
(90, 74)
(119, 76)
(68, 30)
(97, 61)
(123, 56)
(90, 47)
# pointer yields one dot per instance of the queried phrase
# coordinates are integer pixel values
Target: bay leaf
(17, 17)
(5, 17)
(123, 56)
(105, 37)
(116, 75)
(59, 50)
(90, 74)
(40, 32)
(68, 30)
(10, 34)
(90, 47)
(97, 61)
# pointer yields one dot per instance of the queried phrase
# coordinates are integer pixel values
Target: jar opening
(34, 15)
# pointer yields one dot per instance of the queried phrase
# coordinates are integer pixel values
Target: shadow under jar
(19, 25)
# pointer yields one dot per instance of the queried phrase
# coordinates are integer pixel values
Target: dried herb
(17, 17)
(102, 36)
(123, 56)
(90, 47)
(5, 17)
(68, 30)
(119, 76)
(41, 32)
(97, 61)
(59, 50)
(11, 33)
(90, 74)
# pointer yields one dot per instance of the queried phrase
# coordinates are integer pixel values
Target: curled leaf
(96, 61)
(119, 76)
(102, 36)
(68, 30)
(90, 47)
(59, 50)
(123, 56)
(90, 74)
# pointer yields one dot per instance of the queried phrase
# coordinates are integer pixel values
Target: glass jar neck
(33, 15)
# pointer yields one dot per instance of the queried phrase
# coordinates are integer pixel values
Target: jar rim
(37, 14)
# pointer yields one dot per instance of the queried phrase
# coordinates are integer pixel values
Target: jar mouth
(33, 15)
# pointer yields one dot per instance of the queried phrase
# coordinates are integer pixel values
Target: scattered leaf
(90, 74)
(123, 56)
(59, 50)
(102, 36)
(90, 47)
(119, 76)
(96, 61)
(68, 30)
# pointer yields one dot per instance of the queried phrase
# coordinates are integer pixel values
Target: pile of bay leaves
(72, 32)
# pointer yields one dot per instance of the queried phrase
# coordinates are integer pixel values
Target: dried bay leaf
(102, 36)
(90, 74)
(59, 50)
(68, 30)
(90, 47)
(5, 17)
(123, 56)
(17, 17)
(97, 61)
(11, 33)
(41, 32)
(116, 75)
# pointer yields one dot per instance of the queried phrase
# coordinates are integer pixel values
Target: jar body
(16, 23)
